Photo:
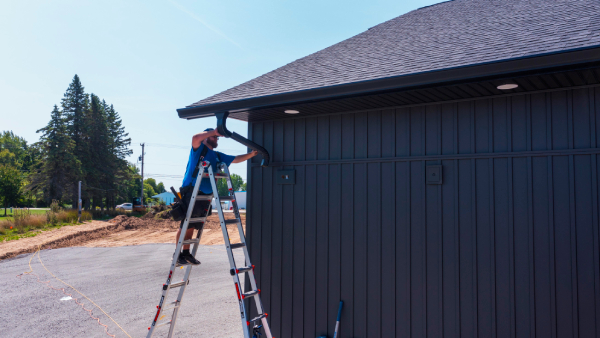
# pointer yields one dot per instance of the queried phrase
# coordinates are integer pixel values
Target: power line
(165, 175)
(167, 164)
(178, 146)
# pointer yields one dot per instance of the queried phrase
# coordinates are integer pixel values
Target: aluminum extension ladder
(206, 172)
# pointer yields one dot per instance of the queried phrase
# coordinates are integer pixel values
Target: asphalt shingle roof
(447, 35)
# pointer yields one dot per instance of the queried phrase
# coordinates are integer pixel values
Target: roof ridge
(439, 3)
(431, 38)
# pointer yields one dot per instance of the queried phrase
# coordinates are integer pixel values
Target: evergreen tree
(160, 188)
(94, 147)
(99, 164)
(59, 167)
(75, 105)
(118, 146)
(119, 140)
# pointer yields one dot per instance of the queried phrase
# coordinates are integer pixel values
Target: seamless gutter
(424, 79)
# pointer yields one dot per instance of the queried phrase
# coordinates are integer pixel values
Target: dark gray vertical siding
(334, 222)
(507, 246)
(299, 232)
(287, 236)
(388, 226)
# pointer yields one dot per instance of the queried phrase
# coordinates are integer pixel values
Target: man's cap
(209, 129)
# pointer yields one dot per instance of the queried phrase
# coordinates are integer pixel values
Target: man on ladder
(203, 145)
(204, 168)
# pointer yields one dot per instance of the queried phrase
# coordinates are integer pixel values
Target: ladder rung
(264, 315)
(163, 324)
(175, 303)
(232, 221)
(237, 245)
(226, 198)
(197, 219)
(178, 284)
(204, 197)
(217, 175)
(190, 241)
(244, 269)
(251, 293)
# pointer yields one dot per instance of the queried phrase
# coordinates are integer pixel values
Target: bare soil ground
(120, 231)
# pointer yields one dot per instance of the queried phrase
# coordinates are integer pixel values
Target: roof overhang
(499, 69)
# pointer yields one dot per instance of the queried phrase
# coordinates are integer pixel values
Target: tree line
(85, 141)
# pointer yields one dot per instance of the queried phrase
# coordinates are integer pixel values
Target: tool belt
(182, 199)
(179, 208)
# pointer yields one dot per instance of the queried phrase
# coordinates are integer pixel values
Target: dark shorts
(201, 208)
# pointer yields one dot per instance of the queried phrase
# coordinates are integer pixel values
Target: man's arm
(242, 158)
(198, 138)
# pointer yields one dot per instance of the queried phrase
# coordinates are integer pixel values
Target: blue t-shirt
(211, 156)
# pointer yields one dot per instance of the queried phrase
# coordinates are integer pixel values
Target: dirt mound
(136, 231)
(159, 212)
(121, 230)
(123, 222)
(58, 238)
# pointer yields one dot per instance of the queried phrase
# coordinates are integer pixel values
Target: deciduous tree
(236, 181)
(11, 182)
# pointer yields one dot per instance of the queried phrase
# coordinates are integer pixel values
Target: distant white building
(166, 196)
(240, 196)
(241, 201)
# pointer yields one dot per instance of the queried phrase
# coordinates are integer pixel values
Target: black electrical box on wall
(433, 174)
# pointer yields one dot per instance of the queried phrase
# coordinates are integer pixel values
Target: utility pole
(142, 197)
(79, 205)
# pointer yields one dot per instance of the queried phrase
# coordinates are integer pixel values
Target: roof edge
(441, 76)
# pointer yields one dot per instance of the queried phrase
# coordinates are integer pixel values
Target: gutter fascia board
(402, 82)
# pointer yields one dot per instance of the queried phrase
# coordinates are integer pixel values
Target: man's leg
(188, 235)
(185, 256)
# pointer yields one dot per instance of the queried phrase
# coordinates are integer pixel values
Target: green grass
(38, 221)
(9, 215)
(13, 234)
(28, 223)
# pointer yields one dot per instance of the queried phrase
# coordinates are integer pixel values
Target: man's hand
(242, 158)
(198, 138)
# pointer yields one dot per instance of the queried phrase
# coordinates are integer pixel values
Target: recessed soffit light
(507, 86)
(291, 111)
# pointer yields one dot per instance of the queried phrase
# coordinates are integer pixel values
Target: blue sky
(150, 57)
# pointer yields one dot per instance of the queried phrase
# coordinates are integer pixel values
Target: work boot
(181, 260)
(189, 258)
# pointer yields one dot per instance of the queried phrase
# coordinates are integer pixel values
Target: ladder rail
(235, 276)
(212, 176)
(184, 287)
(165, 293)
(257, 300)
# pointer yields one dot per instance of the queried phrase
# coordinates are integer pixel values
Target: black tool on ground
(222, 129)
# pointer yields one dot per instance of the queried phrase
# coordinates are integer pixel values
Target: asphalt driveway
(126, 283)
